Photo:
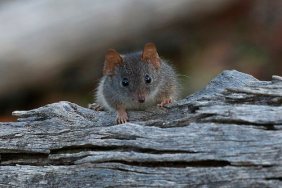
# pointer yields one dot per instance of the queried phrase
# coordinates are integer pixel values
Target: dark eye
(148, 79)
(125, 82)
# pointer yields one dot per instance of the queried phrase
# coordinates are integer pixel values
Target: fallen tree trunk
(229, 134)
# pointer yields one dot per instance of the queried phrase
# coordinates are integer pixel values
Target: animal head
(134, 75)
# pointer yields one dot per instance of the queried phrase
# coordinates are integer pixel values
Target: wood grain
(227, 135)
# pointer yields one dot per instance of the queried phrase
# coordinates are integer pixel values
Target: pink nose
(141, 99)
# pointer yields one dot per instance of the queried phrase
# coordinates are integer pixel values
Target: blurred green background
(54, 50)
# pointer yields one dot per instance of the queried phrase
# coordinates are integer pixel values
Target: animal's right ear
(150, 55)
(112, 59)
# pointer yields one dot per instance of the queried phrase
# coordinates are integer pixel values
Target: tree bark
(227, 135)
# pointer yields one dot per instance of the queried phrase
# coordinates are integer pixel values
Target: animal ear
(112, 59)
(150, 55)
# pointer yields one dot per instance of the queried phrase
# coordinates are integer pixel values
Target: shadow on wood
(228, 134)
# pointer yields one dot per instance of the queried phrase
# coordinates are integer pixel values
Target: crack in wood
(177, 164)
(254, 99)
(183, 122)
(24, 158)
(274, 178)
(76, 149)
(268, 127)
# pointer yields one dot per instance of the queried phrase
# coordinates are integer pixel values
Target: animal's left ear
(150, 55)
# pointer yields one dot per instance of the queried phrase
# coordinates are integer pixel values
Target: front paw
(164, 102)
(122, 118)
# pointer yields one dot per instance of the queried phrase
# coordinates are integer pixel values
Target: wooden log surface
(227, 135)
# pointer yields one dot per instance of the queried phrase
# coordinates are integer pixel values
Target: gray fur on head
(111, 92)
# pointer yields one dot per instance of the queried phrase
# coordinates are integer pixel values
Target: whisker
(183, 75)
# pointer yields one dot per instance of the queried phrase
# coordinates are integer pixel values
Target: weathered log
(227, 135)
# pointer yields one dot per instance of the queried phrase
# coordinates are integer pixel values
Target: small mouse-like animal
(135, 81)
